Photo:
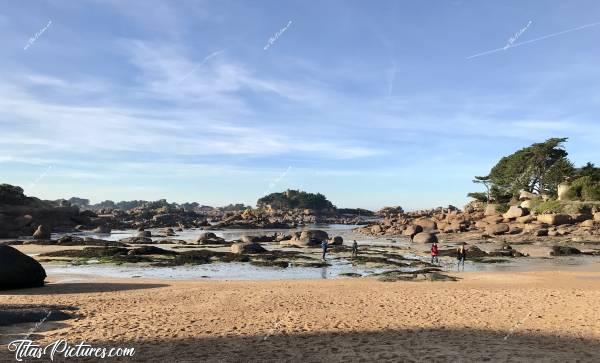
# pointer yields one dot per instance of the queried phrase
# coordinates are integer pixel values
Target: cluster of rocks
(27, 216)
(283, 219)
(485, 221)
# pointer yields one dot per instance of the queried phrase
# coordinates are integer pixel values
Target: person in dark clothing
(461, 256)
(354, 249)
(434, 253)
(324, 246)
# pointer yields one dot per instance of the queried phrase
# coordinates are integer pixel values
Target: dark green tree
(538, 168)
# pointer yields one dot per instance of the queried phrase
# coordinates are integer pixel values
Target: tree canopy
(291, 199)
(538, 168)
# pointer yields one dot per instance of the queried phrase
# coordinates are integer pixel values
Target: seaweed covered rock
(210, 238)
(17, 270)
(564, 251)
(89, 252)
(137, 240)
(150, 250)
(245, 247)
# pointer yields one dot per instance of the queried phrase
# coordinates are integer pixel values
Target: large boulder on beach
(17, 270)
(426, 223)
(42, 232)
(412, 230)
(554, 219)
(497, 229)
(144, 234)
(336, 241)
(515, 212)
(316, 235)
(425, 237)
(247, 247)
(209, 238)
(307, 238)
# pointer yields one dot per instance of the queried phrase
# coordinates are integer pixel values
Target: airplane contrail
(533, 40)
(213, 54)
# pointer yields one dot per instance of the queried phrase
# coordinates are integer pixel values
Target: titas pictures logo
(27, 349)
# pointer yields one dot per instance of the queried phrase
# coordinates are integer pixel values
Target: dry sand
(528, 316)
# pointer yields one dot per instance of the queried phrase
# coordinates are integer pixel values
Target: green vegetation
(550, 206)
(587, 185)
(538, 169)
(291, 199)
(234, 207)
(482, 197)
(502, 208)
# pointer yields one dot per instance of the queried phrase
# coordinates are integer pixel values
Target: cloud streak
(533, 40)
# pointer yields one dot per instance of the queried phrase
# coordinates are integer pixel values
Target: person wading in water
(461, 256)
(434, 253)
(354, 249)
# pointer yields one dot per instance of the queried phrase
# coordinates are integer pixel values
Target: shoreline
(547, 315)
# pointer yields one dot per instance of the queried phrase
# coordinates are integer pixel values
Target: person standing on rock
(434, 253)
(461, 256)
(324, 246)
(354, 249)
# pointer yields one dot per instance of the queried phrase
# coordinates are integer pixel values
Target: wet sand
(513, 316)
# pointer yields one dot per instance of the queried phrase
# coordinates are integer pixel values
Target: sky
(372, 103)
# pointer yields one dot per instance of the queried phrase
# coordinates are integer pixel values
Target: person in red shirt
(434, 253)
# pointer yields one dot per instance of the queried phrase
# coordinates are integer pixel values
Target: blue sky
(370, 103)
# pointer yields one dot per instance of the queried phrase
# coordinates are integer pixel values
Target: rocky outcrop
(21, 215)
(307, 238)
(17, 270)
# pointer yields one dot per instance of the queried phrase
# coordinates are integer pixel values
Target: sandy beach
(527, 316)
